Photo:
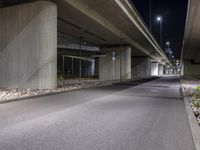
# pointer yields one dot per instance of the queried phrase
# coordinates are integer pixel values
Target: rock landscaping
(63, 85)
(191, 89)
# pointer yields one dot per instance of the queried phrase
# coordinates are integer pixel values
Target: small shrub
(60, 77)
(197, 88)
(196, 92)
(196, 103)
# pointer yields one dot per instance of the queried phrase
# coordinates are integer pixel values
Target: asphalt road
(149, 116)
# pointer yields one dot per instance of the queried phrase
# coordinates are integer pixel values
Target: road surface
(149, 116)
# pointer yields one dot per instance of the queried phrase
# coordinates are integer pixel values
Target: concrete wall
(28, 46)
(191, 69)
(109, 66)
(140, 66)
(154, 68)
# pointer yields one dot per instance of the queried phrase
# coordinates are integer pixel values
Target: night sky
(174, 15)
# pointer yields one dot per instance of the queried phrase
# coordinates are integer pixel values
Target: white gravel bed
(189, 86)
(65, 85)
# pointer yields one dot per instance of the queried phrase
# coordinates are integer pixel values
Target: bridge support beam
(141, 66)
(109, 65)
(28, 47)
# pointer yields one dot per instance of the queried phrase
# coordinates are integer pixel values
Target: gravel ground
(64, 85)
(189, 85)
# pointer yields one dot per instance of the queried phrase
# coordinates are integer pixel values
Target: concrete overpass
(191, 44)
(28, 48)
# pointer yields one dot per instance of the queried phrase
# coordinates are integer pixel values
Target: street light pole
(160, 20)
(168, 49)
(80, 57)
(121, 46)
(150, 14)
(168, 44)
(161, 33)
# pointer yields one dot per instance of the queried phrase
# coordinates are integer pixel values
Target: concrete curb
(194, 126)
(49, 94)
(71, 90)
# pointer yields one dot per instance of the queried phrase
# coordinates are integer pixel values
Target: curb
(66, 91)
(194, 126)
(49, 94)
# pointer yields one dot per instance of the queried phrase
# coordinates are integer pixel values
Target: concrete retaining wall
(190, 69)
(109, 66)
(28, 46)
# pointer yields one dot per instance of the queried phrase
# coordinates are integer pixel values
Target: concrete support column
(96, 67)
(182, 69)
(141, 66)
(28, 46)
(167, 69)
(109, 66)
(126, 63)
(164, 69)
(154, 68)
(160, 70)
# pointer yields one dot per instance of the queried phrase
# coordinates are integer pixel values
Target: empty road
(148, 116)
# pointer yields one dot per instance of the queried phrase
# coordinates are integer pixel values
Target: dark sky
(174, 15)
